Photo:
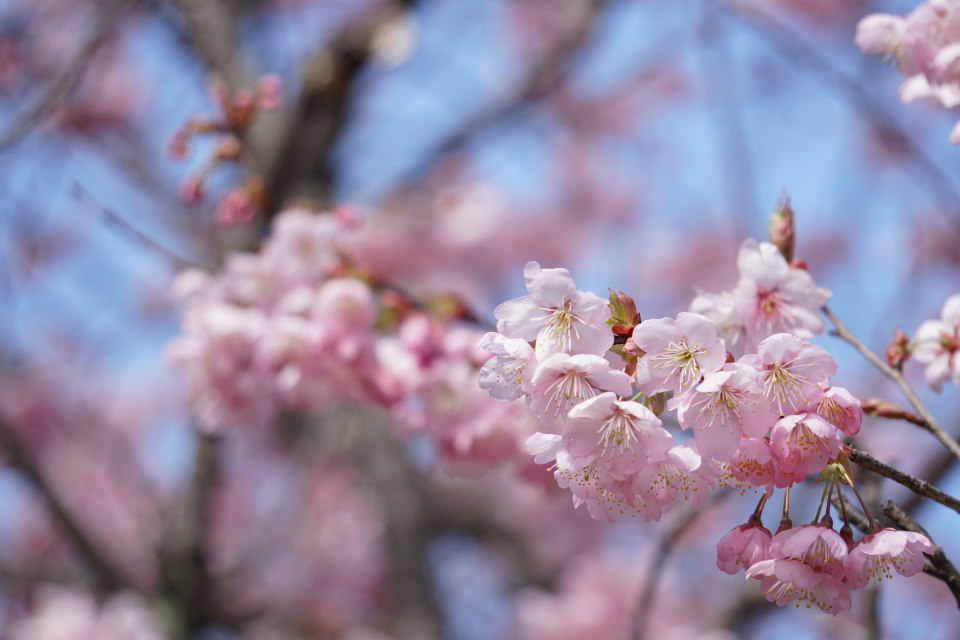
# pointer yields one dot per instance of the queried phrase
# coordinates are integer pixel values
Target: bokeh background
(635, 142)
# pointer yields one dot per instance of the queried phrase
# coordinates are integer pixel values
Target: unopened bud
(899, 349)
(782, 228)
(623, 312)
(632, 348)
(228, 148)
(885, 409)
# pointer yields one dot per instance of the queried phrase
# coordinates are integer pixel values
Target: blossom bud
(228, 148)
(623, 313)
(899, 349)
(885, 409)
(782, 228)
(191, 190)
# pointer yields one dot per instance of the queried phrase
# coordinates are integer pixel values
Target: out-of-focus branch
(936, 565)
(364, 439)
(184, 558)
(931, 425)
(68, 77)
(786, 40)
(106, 574)
(917, 485)
(663, 552)
(543, 74)
(114, 221)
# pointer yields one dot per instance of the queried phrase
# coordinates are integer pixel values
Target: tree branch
(69, 76)
(106, 573)
(931, 425)
(917, 485)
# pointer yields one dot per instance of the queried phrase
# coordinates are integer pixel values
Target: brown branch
(936, 565)
(114, 221)
(68, 77)
(184, 558)
(931, 425)
(917, 485)
(542, 75)
(106, 573)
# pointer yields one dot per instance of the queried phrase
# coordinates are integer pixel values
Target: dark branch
(917, 485)
(68, 78)
(107, 575)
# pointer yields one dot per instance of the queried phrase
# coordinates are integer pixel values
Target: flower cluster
(298, 325)
(598, 379)
(925, 44)
(813, 565)
(769, 418)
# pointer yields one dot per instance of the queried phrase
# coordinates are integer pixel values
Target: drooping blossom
(506, 375)
(804, 444)
(787, 581)
(727, 405)
(754, 464)
(775, 297)
(743, 546)
(881, 553)
(937, 343)
(683, 474)
(794, 371)
(622, 436)
(562, 381)
(678, 352)
(807, 564)
(556, 315)
(841, 409)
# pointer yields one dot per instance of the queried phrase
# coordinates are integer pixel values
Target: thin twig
(936, 565)
(107, 575)
(931, 425)
(116, 222)
(68, 77)
(917, 485)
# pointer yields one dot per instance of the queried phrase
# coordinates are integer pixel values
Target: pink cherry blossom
(683, 474)
(743, 546)
(880, 33)
(506, 375)
(794, 371)
(678, 352)
(787, 581)
(556, 315)
(725, 406)
(804, 444)
(816, 545)
(937, 343)
(754, 464)
(775, 297)
(880, 553)
(841, 409)
(621, 435)
(562, 381)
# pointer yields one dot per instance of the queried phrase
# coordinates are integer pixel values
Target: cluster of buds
(813, 564)
(237, 112)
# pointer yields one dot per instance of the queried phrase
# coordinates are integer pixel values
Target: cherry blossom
(937, 343)
(793, 370)
(556, 315)
(743, 546)
(678, 352)
(562, 381)
(775, 297)
(804, 444)
(507, 373)
(727, 405)
(880, 553)
(788, 581)
(841, 409)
